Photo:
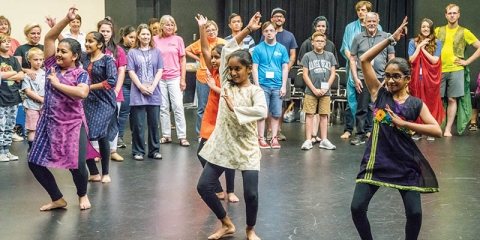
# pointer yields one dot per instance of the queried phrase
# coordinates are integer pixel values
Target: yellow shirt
(448, 56)
(196, 48)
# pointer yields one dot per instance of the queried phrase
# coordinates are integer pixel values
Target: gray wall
(435, 10)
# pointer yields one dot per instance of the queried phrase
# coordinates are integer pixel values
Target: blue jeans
(274, 102)
(203, 90)
(124, 111)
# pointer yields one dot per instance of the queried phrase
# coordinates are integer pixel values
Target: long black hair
(111, 45)
(244, 58)
(75, 47)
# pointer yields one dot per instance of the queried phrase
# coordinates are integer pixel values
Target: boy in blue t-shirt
(270, 72)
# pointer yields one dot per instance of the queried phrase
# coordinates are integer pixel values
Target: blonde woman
(173, 80)
(32, 32)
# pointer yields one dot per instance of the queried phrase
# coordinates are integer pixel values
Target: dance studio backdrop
(301, 13)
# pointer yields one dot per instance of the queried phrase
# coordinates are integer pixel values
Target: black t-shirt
(9, 90)
(22, 51)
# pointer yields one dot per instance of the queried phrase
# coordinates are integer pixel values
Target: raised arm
(253, 25)
(52, 35)
(207, 56)
(366, 61)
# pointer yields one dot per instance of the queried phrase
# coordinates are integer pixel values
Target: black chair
(339, 96)
(298, 88)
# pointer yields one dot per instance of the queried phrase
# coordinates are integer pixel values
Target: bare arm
(366, 61)
(390, 56)
(33, 95)
(285, 70)
(206, 51)
(190, 54)
(292, 58)
(52, 35)
(429, 127)
(309, 83)
(472, 58)
(183, 72)
(347, 53)
(353, 69)
(120, 79)
(432, 59)
(255, 73)
(80, 91)
(13, 76)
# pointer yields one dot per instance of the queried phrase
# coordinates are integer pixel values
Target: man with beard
(454, 39)
(360, 44)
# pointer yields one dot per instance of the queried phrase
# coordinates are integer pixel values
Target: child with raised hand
(212, 59)
(241, 105)
(11, 75)
(35, 90)
(61, 137)
(392, 159)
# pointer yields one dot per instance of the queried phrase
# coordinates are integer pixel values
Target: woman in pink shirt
(173, 82)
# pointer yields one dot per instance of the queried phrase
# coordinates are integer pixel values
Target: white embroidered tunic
(234, 141)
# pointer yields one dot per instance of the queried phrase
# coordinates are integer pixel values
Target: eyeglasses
(395, 77)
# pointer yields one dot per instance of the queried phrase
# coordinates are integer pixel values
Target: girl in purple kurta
(145, 67)
(100, 104)
(61, 139)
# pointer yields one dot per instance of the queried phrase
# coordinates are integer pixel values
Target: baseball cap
(278, 10)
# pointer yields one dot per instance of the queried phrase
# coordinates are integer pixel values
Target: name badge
(324, 85)
(372, 62)
(270, 74)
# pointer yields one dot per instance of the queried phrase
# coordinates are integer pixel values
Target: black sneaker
(358, 140)
(120, 143)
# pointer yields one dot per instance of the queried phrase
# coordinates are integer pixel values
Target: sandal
(473, 127)
(184, 142)
(165, 140)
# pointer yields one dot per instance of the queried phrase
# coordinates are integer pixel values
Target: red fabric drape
(428, 89)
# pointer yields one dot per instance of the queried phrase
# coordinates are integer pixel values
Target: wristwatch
(392, 40)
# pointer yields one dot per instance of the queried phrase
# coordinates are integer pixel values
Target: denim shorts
(274, 102)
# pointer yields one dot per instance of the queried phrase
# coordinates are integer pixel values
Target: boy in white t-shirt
(35, 90)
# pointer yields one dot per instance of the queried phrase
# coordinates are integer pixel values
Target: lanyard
(273, 53)
(320, 62)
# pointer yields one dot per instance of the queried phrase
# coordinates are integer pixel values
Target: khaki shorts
(314, 105)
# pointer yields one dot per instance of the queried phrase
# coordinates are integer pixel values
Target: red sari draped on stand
(427, 85)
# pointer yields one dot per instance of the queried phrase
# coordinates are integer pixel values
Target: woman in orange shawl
(424, 55)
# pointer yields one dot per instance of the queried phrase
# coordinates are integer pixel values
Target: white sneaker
(4, 158)
(11, 157)
(307, 145)
(326, 144)
(430, 139)
(17, 138)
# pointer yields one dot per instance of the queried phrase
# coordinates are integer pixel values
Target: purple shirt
(56, 142)
(172, 49)
(145, 64)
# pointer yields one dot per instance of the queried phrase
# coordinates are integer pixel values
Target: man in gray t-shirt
(362, 43)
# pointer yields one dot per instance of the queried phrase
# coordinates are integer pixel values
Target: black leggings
(80, 175)
(361, 198)
(206, 186)
(229, 173)
(104, 146)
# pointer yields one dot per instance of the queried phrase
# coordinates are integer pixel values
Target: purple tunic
(57, 137)
(145, 63)
(391, 158)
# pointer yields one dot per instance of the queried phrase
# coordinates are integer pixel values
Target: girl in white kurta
(234, 143)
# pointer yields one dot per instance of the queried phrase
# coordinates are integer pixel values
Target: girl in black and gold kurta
(392, 158)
